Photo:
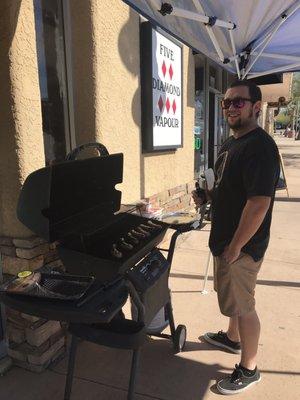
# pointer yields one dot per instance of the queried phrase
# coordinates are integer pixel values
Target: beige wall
(106, 80)
(112, 82)
(84, 72)
(21, 140)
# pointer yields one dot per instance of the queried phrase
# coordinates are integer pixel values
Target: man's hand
(252, 217)
(197, 200)
(231, 254)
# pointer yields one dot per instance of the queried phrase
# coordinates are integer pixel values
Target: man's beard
(239, 123)
(236, 125)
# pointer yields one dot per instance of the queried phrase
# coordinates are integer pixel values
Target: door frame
(217, 145)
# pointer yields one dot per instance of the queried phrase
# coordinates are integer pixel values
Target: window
(52, 78)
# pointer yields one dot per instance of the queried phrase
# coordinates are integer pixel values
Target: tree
(296, 85)
(283, 118)
(294, 106)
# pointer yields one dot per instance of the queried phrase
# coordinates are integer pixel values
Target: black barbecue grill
(112, 254)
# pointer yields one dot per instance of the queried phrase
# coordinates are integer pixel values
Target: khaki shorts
(235, 284)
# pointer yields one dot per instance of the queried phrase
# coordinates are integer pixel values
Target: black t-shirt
(247, 166)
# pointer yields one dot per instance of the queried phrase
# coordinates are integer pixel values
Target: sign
(161, 90)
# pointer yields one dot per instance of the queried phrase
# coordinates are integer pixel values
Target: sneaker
(221, 339)
(237, 382)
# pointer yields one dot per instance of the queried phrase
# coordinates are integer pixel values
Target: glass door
(199, 125)
(220, 127)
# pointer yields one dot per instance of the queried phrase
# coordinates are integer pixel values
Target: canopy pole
(167, 8)
(274, 70)
(156, 4)
(209, 21)
(290, 11)
(199, 6)
(267, 55)
(261, 43)
(215, 42)
(180, 12)
(269, 36)
(262, 49)
(209, 30)
(234, 52)
(279, 56)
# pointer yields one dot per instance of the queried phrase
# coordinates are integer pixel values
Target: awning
(250, 38)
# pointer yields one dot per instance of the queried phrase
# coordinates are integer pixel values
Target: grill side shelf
(100, 309)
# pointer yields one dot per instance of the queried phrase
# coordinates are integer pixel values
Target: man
(246, 171)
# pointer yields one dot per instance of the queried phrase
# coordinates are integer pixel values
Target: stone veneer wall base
(5, 365)
(34, 343)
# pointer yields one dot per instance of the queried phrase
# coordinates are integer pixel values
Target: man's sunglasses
(237, 102)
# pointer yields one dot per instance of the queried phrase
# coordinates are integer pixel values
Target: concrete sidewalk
(102, 373)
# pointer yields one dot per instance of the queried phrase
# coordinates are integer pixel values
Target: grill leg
(169, 310)
(71, 364)
(133, 372)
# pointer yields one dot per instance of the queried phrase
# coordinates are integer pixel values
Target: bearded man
(246, 175)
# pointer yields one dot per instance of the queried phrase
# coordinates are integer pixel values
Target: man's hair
(254, 90)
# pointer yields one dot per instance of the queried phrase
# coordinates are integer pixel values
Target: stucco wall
(84, 74)
(21, 139)
(112, 65)
(271, 93)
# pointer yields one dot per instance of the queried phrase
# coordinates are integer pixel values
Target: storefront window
(52, 77)
(199, 120)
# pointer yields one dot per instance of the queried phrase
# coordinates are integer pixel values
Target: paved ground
(103, 373)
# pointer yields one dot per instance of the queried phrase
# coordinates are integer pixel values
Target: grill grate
(54, 286)
(63, 288)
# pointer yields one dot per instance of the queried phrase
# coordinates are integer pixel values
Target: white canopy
(248, 37)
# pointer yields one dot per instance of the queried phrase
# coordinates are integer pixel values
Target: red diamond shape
(164, 68)
(171, 72)
(168, 104)
(160, 104)
(174, 106)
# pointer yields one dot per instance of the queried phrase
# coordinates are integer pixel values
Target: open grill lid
(71, 197)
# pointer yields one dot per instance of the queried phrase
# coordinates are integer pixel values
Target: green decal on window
(198, 143)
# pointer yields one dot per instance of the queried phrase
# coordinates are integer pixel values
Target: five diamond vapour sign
(164, 97)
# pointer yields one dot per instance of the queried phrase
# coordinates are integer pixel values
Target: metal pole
(283, 17)
(266, 40)
(210, 32)
(234, 53)
(133, 373)
(204, 291)
(274, 70)
(278, 56)
(262, 49)
(215, 42)
(71, 365)
(267, 55)
(297, 120)
(179, 12)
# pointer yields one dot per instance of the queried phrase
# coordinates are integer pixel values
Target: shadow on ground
(210, 278)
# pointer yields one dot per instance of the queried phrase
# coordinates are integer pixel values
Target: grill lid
(71, 197)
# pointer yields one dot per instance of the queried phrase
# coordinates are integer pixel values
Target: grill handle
(136, 300)
(98, 146)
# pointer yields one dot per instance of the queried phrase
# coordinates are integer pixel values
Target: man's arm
(252, 217)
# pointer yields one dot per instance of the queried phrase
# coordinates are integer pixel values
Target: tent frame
(241, 60)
